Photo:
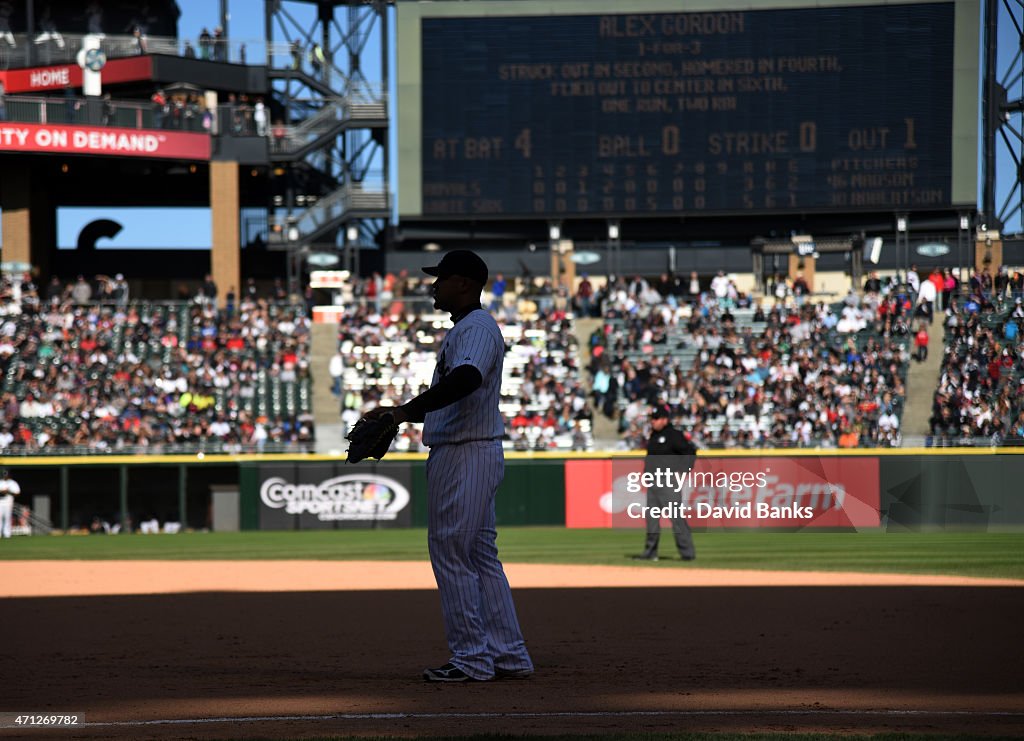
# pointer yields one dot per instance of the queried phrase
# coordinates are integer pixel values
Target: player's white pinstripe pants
(476, 602)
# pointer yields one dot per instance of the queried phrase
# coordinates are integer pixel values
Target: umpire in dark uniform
(667, 448)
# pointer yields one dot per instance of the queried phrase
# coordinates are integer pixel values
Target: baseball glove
(371, 438)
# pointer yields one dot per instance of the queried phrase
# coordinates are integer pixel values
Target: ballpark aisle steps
(922, 380)
(326, 408)
(605, 431)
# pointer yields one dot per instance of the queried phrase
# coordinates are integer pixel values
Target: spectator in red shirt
(921, 343)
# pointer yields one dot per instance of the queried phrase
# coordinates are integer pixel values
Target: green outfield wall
(954, 488)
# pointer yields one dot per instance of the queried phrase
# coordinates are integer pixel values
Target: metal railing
(327, 212)
(62, 48)
(964, 441)
(79, 111)
(226, 118)
(76, 110)
(288, 139)
(36, 525)
(239, 120)
(206, 447)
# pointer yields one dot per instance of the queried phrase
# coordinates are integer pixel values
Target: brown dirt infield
(315, 649)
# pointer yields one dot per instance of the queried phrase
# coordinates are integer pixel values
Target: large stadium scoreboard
(543, 113)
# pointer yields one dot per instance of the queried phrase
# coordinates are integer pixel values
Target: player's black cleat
(500, 673)
(447, 673)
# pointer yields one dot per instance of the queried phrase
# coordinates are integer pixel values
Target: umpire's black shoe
(645, 557)
(447, 673)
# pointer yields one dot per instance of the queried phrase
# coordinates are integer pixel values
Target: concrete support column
(16, 222)
(563, 269)
(22, 210)
(225, 256)
(988, 255)
(805, 265)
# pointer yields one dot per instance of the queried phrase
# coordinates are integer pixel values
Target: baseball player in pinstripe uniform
(463, 428)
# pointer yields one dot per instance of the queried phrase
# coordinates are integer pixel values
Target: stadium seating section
(542, 399)
(185, 377)
(737, 378)
(978, 399)
(160, 377)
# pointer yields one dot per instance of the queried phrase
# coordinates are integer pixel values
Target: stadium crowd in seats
(981, 380)
(738, 375)
(159, 377)
(87, 367)
(388, 345)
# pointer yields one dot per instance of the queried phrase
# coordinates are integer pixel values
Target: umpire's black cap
(460, 262)
(661, 411)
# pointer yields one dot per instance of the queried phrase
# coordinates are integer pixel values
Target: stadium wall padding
(532, 493)
(962, 489)
(969, 492)
(249, 499)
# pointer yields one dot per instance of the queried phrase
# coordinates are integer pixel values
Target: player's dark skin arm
(457, 385)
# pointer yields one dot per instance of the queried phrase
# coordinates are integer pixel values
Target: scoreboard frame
(963, 186)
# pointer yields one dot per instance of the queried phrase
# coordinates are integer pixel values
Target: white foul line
(557, 714)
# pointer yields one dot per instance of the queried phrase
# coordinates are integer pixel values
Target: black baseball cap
(661, 411)
(460, 262)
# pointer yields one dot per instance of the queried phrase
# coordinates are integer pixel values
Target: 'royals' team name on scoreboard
(825, 108)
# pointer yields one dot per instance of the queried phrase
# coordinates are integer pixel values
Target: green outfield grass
(968, 554)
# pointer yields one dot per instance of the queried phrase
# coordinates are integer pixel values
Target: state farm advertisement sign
(757, 492)
(47, 139)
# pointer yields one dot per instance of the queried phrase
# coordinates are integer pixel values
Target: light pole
(614, 242)
(294, 261)
(352, 249)
(554, 236)
(962, 249)
(903, 244)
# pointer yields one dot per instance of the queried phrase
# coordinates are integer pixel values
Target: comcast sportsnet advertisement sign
(323, 497)
(757, 492)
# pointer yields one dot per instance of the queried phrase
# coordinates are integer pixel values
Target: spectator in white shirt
(926, 300)
(720, 287)
(888, 422)
(220, 427)
(913, 280)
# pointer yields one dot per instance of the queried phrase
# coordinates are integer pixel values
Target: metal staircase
(335, 130)
(349, 202)
(357, 110)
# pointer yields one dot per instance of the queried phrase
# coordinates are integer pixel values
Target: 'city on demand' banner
(43, 138)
